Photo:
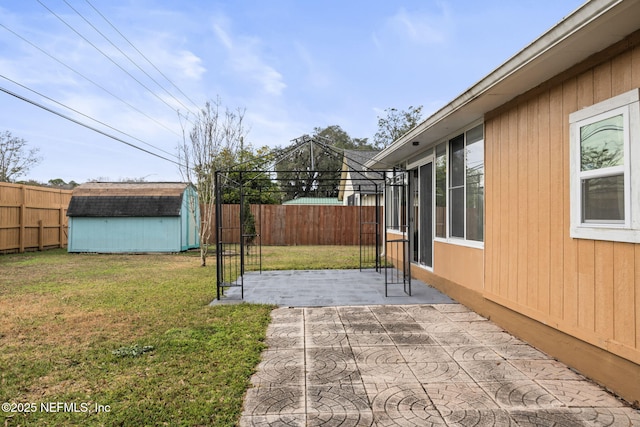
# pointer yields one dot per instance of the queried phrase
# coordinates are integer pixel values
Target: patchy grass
(132, 334)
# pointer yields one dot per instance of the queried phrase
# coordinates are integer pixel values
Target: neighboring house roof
(110, 199)
(313, 201)
(353, 170)
(592, 28)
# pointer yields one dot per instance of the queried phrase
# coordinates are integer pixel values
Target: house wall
(459, 264)
(365, 199)
(576, 299)
(586, 289)
(112, 235)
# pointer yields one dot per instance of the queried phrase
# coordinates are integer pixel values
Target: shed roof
(131, 189)
(114, 199)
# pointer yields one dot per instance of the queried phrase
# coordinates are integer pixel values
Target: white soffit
(592, 28)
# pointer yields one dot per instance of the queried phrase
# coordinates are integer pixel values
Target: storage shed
(112, 217)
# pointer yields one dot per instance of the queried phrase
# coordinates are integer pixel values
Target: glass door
(421, 187)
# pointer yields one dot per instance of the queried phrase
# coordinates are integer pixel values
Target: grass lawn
(132, 334)
(309, 257)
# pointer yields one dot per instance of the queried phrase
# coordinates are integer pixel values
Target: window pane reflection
(602, 144)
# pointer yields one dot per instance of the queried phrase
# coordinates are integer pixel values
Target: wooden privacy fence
(32, 217)
(291, 225)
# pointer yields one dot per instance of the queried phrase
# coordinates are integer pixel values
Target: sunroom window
(460, 185)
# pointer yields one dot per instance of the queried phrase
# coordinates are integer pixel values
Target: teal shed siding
(101, 218)
(146, 234)
(190, 220)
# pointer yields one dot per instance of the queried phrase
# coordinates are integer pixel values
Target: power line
(89, 80)
(107, 56)
(85, 115)
(115, 138)
(127, 56)
(141, 54)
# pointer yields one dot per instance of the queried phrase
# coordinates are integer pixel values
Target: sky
(134, 69)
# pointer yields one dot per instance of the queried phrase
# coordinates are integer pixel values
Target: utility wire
(107, 56)
(32, 102)
(141, 54)
(127, 56)
(89, 80)
(85, 115)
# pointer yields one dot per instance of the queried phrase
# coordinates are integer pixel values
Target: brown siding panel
(624, 294)
(522, 212)
(544, 201)
(490, 267)
(556, 192)
(514, 236)
(570, 104)
(503, 231)
(532, 205)
(586, 285)
(603, 288)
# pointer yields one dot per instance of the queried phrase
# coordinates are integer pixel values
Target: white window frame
(394, 213)
(627, 105)
(461, 241)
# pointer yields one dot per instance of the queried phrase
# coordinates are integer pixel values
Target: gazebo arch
(243, 222)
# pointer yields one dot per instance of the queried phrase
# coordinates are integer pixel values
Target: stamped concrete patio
(414, 363)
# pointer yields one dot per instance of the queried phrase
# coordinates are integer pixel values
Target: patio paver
(442, 365)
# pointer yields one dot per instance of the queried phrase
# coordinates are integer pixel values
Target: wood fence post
(23, 209)
(40, 235)
(61, 229)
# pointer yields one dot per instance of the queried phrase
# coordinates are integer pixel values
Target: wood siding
(588, 289)
(32, 218)
(459, 264)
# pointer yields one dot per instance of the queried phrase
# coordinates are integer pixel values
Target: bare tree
(15, 158)
(212, 144)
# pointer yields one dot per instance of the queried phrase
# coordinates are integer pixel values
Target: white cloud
(317, 75)
(424, 28)
(246, 59)
(190, 64)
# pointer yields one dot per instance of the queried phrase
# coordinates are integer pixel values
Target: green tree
(395, 124)
(249, 226)
(16, 159)
(258, 187)
(60, 183)
(313, 168)
(57, 182)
